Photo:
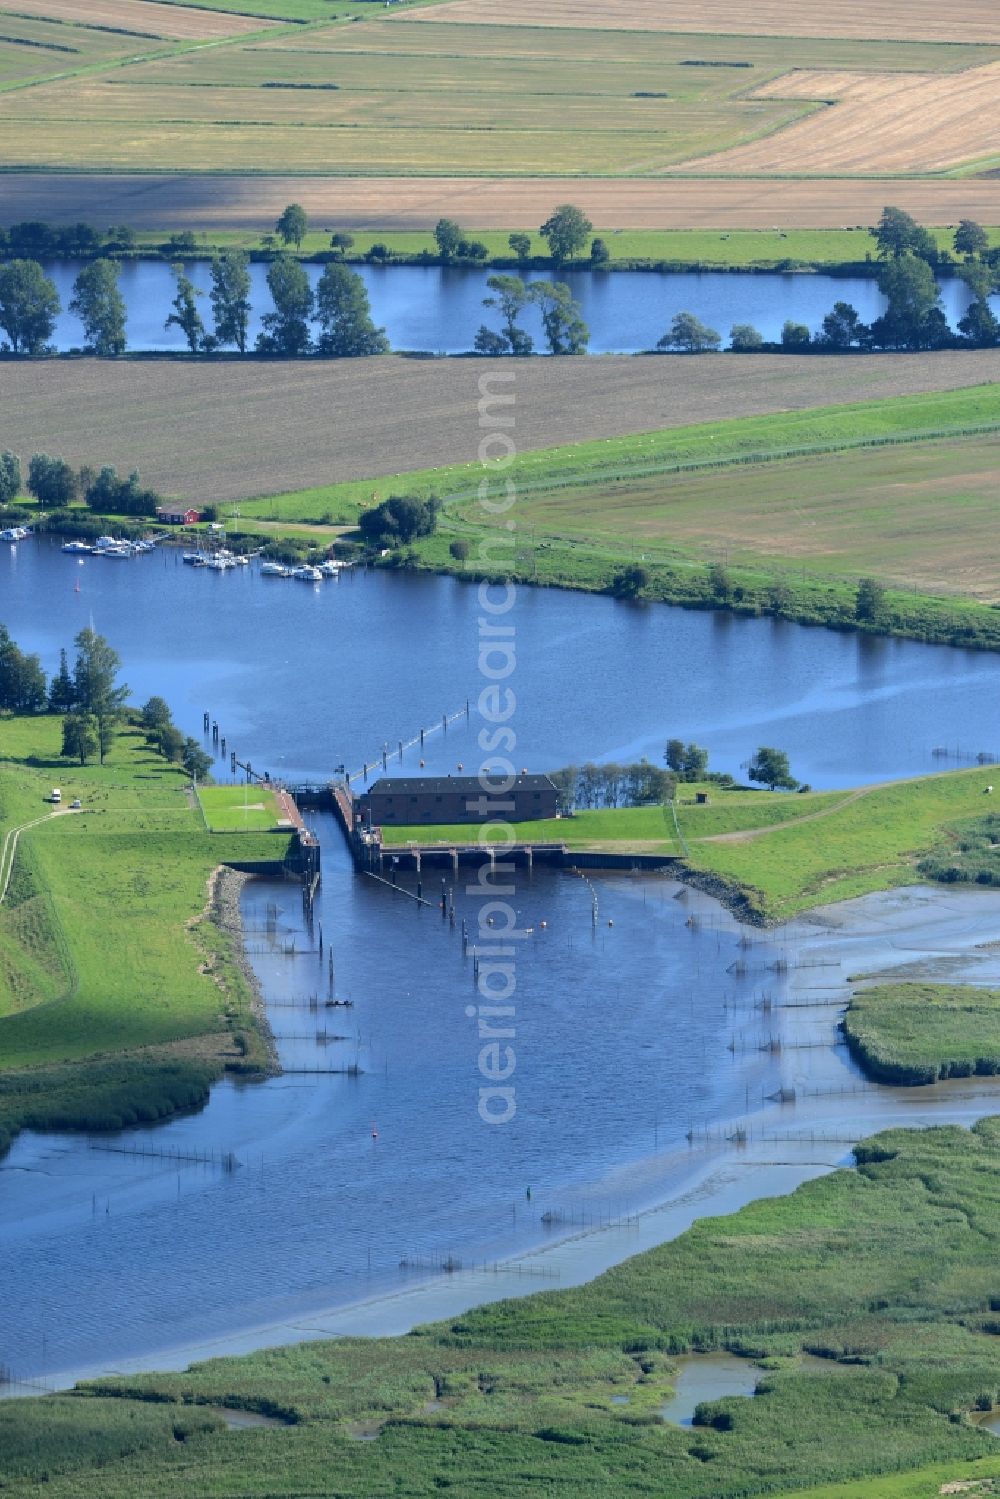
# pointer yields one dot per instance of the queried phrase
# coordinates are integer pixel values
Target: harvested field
(880, 123)
(926, 20)
(142, 17)
(152, 202)
(232, 430)
(919, 515)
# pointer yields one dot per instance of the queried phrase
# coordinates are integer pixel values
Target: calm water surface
(628, 1035)
(438, 309)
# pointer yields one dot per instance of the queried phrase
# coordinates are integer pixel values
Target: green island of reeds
(913, 1034)
(887, 1272)
(121, 994)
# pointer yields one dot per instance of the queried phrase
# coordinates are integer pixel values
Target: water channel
(438, 309)
(629, 1036)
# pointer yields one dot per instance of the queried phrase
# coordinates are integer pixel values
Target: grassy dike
(122, 992)
(770, 855)
(888, 1272)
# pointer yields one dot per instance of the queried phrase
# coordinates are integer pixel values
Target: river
(438, 309)
(630, 1032)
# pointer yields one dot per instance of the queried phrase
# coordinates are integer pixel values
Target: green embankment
(919, 1033)
(121, 995)
(239, 809)
(888, 1271)
(735, 250)
(774, 853)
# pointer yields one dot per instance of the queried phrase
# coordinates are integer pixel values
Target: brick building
(445, 799)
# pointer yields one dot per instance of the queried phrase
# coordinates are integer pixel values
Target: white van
(56, 795)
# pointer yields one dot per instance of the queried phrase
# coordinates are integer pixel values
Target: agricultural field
(249, 204)
(875, 123)
(887, 1271)
(142, 18)
(415, 94)
(972, 20)
(109, 957)
(225, 431)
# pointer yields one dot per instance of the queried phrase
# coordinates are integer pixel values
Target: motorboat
(77, 547)
(308, 574)
(330, 568)
(193, 559)
(14, 533)
(274, 570)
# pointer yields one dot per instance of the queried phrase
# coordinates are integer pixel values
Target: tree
(794, 335)
(673, 754)
(473, 249)
(79, 741)
(520, 244)
(510, 297)
(185, 315)
(170, 742)
(694, 762)
(61, 692)
(10, 477)
(29, 306)
(720, 582)
(99, 305)
(599, 253)
(106, 493)
(770, 768)
(399, 519)
(121, 237)
(630, 581)
(51, 480)
(869, 601)
(842, 327)
(897, 234)
(230, 298)
(566, 230)
(291, 227)
(980, 326)
(459, 550)
(449, 236)
(286, 329)
(565, 330)
(341, 241)
(744, 338)
(689, 335)
(196, 762)
(97, 692)
(155, 714)
(344, 315)
(22, 680)
(909, 321)
(971, 239)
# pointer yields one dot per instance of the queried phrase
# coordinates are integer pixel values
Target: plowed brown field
(253, 203)
(872, 20)
(889, 122)
(233, 430)
(145, 17)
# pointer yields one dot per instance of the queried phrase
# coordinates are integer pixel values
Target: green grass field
(109, 957)
(920, 1033)
(889, 1272)
(238, 809)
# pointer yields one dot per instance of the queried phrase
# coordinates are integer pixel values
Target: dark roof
(468, 785)
(177, 510)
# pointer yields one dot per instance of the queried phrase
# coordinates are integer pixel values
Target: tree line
(91, 702)
(592, 787)
(908, 255)
(55, 484)
(30, 306)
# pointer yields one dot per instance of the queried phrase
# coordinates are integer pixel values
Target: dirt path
(8, 850)
(792, 822)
